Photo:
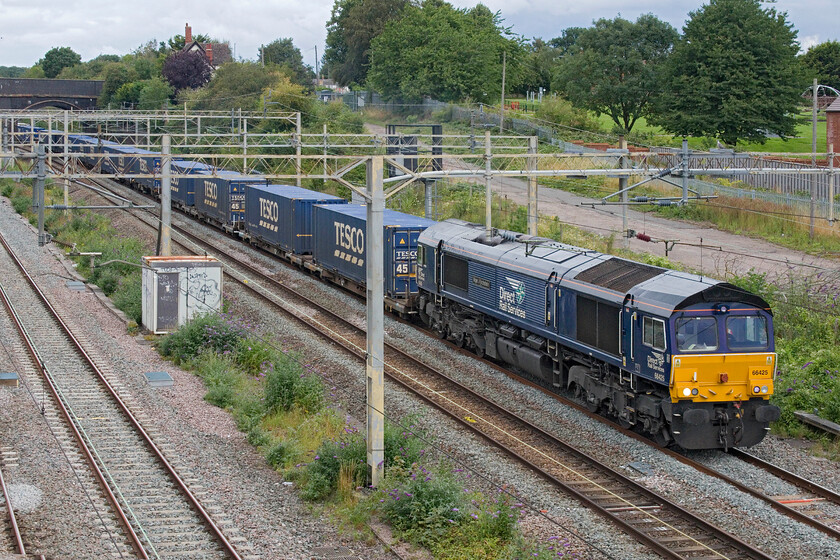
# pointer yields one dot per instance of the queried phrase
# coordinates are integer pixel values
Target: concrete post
(245, 145)
(685, 171)
(66, 160)
(375, 366)
(298, 133)
(831, 184)
(488, 195)
(165, 245)
(4, 143)
(533, 208)
(622, 184)
(49, 141)
(38, 194)
(326, 144)
(148, 134)
(813, 156)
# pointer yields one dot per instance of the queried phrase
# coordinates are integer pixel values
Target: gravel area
(277, 525)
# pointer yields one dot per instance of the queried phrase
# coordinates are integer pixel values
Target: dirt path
(721, 254)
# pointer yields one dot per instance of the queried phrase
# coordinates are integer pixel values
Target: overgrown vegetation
(89, 233)
(279, 402)
(807, 325)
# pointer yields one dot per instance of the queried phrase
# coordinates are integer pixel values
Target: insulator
(643, 236)
(665, 202)
(640, 199)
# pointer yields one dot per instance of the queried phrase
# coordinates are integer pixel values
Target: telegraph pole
(622, 184)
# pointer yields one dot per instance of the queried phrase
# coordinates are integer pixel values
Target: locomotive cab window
(421, 255)
(653, 333)
(697, 334)
(746, 332)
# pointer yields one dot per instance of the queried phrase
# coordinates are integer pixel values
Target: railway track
(12, 532)
(155, 511)
(665, 527)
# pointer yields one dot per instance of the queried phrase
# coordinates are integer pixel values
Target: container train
(684, 359)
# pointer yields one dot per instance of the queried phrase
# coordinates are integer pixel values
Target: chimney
(208, 49)
(187, 34)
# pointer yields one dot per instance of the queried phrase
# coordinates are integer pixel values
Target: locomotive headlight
(686, 392)
(756, 389)
(764, 389)
(694, 392)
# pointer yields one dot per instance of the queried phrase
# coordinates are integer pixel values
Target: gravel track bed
(219, 445)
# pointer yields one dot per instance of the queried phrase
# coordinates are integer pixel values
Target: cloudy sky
(29, 28)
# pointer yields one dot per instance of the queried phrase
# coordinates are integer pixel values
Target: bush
(21, 203)
(322, 474)
(558, 111)
(280, 384)
(423, 504)
(211, 331)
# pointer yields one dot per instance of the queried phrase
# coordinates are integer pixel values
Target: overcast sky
(29, 28)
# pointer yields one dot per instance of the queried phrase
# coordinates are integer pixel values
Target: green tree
(178, 42)
(115, 74)
(439, 51)
(57, 59)
(613, 67)
(352, 26)
(823, 62)
(12, 71)
(155, 94)
(283, 52)
(234, 85)
(733, 75)
(537, 66)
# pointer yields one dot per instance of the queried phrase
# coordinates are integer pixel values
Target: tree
(438, 51)
(116, 76)
(235, 85)
(612, 68)
(154, 95)
(733, 75)
(283, 52)
(187, 70)
(57, 59)
(823, 62)
(352, 26)
(537, 66)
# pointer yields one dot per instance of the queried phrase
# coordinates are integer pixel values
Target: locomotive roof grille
(618, 274)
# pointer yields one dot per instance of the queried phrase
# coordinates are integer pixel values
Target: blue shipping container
(282, 215)
(221, 197)
(339, 236)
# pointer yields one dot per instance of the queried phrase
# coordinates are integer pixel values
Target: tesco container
(282, 215)
(176, 289)
(182, 189)
(340, 247)
(220, 197)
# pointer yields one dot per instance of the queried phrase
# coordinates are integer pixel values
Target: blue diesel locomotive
(683, 358)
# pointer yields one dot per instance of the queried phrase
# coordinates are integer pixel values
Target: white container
(175, 289)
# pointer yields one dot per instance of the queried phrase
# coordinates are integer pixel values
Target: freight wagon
(340, 250)
(278, 218)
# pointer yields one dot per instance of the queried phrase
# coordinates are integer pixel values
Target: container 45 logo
(511, 297)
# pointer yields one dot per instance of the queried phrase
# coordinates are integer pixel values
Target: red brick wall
(832, 131)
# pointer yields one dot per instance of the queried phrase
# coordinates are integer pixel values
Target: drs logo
(211, 190)
(350, 238)
(269, 210)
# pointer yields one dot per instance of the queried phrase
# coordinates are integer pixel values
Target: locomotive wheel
(479, 351)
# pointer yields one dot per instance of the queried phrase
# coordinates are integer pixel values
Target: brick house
(215, 53)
